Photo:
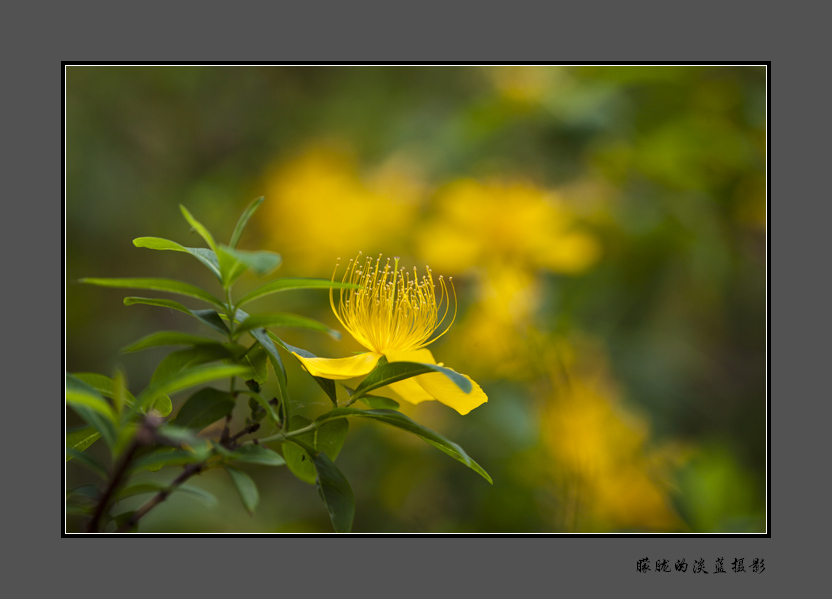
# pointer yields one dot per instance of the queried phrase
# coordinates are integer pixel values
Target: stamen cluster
(391, 310)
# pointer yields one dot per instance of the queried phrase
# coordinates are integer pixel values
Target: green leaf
(336, 493)
(401, 421)
(181, 436)
(241, 223)
(152, 486)
(270, 409)
(285, 319)
(80, 395)
(245, 487)
(80, 439)
(200, 354)
(257, 454)
(85, 460)
(154, 284)
(327, 438)
(104, 385)
(294, 283)
(199, 228)
(377, 402)
(206, 256)
(231, 268)
(204, 407)
(167, 338)
(209, 317)
(261, 262)
(392, 372)
(258, 360)
(265, 341)
(190, 377)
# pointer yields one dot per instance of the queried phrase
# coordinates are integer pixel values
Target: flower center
(391, 310)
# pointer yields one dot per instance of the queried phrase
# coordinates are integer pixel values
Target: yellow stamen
(391, 310)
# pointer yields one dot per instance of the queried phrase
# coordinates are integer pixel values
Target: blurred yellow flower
(395, 316)
(607, 476)
(320, 205)
(504, 223)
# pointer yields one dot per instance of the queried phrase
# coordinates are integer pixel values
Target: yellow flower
(395, 316)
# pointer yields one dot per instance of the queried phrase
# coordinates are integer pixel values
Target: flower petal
(434, 385)
(340, 368)
(445, 390)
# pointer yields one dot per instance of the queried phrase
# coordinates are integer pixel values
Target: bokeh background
(605, 228)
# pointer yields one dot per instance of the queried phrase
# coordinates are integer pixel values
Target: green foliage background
(663, 168)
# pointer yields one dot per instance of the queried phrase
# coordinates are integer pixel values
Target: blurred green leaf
(260, 262)
(167, 338)
(401, 421)
(88, 462)
(257, 454)
(284, 319)
(245, 487)
(243, 220)
(153, 486)
(190, 377)
(392, 372)
(200, 354)
(336, 493)
(294, 283)
(80, 439)
(204, 407)
(206, 256)
(155, 284)
(92, 407)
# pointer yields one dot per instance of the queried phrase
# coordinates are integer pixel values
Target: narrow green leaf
(199, 228)
(179, 360)
(155, 284)
(336, 493)
(167, 338)
(399, 420)
(294, 283)
(104, 385)
(328, 437)
(190, 377)
(260, 262)
(88, 462)
(81, 395)
(80, 439)
(245, 487)
(392, 372)
(178, 435)
(265, 341)
(241, 223)
(377, 402)
(206, 256)
(257, 454)
(258, 360)
(231, 268)
(285, 319)
(204, 407)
